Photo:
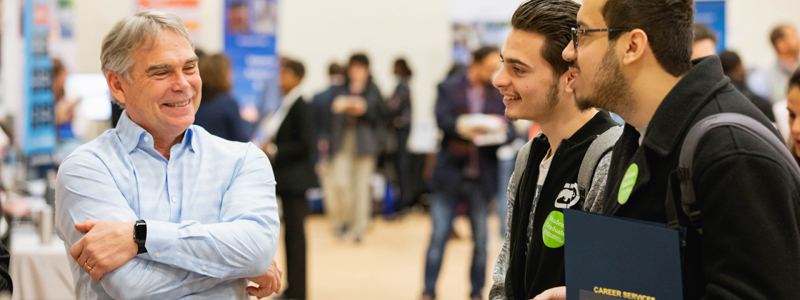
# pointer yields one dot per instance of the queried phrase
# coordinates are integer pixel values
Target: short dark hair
(794, 81)
(702, 32)
(335, 69)
(553, 20)
(479, 55)
(359, 58)
(401, 68)
(295, 67)
(667, 23)
(730, 60)
(777, 34)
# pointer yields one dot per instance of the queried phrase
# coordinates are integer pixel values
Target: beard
(612, 91)
(552, 95)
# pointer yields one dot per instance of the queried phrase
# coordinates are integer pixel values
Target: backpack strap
(520, 164)
(599, 148)
(685, 161)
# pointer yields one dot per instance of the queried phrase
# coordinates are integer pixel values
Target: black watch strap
(140, 235)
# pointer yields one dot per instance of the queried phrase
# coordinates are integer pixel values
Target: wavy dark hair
(553, 20)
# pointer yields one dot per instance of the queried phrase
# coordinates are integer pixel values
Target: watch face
(140, 231)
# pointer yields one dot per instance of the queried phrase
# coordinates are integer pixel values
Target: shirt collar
(132, 135)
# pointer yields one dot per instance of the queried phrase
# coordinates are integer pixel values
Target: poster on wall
(39, 136)
(478, 23)
(187, 10)
(63, 45)
(250, 27)
(712, 14)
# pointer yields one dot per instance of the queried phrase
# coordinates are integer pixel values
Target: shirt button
(158, 254)
(146, 139)
(205, 268)
(174, 199)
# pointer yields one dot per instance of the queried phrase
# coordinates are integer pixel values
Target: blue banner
(38, 115)
(712, 14)
(250, 27)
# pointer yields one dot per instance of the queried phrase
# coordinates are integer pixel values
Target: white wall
(749, 23)
(93, 19)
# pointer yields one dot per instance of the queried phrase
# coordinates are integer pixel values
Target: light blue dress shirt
(211, 212)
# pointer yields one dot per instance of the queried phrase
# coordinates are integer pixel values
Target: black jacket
(453, 156)
(543, 267)
(400, 105)
(293, 165)
(750, 247)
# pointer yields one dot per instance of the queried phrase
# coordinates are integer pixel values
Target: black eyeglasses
(577, 32)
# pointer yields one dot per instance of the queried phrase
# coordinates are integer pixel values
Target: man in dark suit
(290, 151)
(464, 170)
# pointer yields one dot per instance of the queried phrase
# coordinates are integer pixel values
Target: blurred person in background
(770, 83)
(219, 112)
(733, 67)
(288, 145)
(465, 171)
(321, 106)
(793, 106)
(357, 112)
(704, 42)
(65, 109)
(400, 123)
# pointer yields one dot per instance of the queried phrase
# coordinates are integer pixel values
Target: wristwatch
(140, 235)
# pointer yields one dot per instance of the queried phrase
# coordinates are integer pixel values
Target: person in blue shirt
(158, 208)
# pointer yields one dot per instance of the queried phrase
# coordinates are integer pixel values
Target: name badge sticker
(628, 182)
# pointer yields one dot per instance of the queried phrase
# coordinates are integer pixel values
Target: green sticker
(628, 182)
(553, 230)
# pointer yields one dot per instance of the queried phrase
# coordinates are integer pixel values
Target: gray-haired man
(158, 208)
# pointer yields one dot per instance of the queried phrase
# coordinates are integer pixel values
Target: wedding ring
(87, 267)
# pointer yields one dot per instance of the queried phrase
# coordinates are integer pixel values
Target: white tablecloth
(39, 271)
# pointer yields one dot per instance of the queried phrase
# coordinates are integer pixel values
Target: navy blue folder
(617, 258)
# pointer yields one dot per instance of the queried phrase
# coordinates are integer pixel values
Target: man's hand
(106, 246)
(268, 283)
(556, 293)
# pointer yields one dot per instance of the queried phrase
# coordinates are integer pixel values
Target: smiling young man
(534, 80)
(632, 57)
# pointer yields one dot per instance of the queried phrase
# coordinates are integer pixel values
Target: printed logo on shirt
(568, 197)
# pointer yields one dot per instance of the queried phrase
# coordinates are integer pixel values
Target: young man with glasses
(632, 57)
(535, 82)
